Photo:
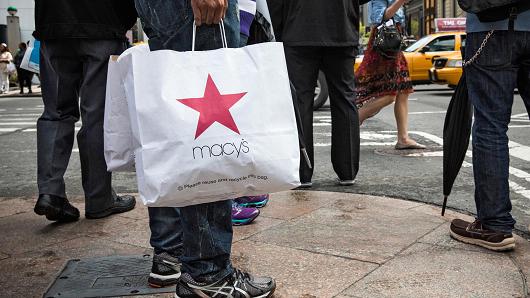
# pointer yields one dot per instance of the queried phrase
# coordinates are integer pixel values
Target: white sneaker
(346, 182)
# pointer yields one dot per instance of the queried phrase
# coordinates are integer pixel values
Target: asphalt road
(409, 175)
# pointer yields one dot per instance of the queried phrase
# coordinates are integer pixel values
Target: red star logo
(213, 107)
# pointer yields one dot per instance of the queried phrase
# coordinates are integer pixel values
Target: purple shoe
(253, 201)
(243, 215)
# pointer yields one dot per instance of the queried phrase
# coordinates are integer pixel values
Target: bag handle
(221, 28)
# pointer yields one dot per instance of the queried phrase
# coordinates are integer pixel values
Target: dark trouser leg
(96, 179)
(491, 81)
(523, 82)
(166, 230)
(20, 79)
(338, 68)
(29, 77)
(207, 240)
(61, 69)
(303, 64)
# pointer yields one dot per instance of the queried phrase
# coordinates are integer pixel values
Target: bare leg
(401, 112)
(372, 107)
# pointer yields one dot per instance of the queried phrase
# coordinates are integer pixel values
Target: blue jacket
(522, 23)
(376, 10)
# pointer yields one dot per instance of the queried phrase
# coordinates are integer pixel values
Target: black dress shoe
(121, 204)
(56, 208)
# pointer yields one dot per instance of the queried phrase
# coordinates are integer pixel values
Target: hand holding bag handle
(221, 28)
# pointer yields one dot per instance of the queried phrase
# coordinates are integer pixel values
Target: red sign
(450, 24)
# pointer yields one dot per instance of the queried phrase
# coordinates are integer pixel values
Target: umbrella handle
(444, 205)
(306, 157)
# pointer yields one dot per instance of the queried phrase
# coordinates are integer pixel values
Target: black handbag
(388, 40)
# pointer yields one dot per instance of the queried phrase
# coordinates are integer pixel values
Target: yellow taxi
(421, 54)
(447, 70)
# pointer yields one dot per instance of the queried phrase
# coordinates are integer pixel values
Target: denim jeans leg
(491, 81)
(206, 228)
(207, 240)
(166, 230)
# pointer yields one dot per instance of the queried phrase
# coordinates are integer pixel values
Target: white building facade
(26, 14)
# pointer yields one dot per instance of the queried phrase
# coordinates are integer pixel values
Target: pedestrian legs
(345, 140)
(303, 64)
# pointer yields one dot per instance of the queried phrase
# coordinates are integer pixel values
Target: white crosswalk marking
(17, 123)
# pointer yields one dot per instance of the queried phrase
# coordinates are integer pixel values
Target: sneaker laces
(236, 206)
(475, 225)
(240, 275)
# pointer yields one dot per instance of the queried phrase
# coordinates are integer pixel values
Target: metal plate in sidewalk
(430, 151)
(105, 277)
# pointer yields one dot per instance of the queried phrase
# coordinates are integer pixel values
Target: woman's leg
(4, 82)
(401, 112)
(372, 107)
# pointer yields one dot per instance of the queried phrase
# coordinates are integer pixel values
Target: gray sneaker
(237, 285)
(165, 270)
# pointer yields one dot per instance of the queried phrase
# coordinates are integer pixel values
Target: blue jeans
(201, 235)
(503, 65)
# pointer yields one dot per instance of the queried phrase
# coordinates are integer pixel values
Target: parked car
(447, 70)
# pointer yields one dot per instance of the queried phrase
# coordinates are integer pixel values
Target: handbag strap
(221, 28)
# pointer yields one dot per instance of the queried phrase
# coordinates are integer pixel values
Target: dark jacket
(316, 22)
(92, 19)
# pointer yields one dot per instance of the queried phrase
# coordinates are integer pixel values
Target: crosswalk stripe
(77, 128)
(20, 119)
(8, 129)
(18, 115)
(18, 123)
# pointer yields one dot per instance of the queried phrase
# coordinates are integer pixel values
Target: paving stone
(299, 273)
(35, 231)
(12, 206)
(436, 211)
(260, 224)
(292, 204)
(433, 271)
(359, 228)
(521, 256)
(136, 233)
(34, 271)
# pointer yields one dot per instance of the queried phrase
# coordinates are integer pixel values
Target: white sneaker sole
(262, 296)
(506, 244)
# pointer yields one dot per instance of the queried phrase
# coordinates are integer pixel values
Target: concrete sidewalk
(316, 244)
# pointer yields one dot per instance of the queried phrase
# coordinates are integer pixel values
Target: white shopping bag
(117, 135)
(31, 59)
(212, 125)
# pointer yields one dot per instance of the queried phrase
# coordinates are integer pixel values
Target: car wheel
(321, 92)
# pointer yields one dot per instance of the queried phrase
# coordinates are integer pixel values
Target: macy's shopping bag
(117, 134)
(212, 125)
(31, 59)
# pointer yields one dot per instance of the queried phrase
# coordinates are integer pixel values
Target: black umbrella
(457, 128)
(299, 125)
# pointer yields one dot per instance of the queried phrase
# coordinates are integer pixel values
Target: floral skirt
(379, 76)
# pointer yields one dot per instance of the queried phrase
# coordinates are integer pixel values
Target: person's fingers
(225, 8)
(210, 15)
(219, 13)
(197, 14)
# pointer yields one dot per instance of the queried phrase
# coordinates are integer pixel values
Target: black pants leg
(75, 69)
(337, 64)
(61, 70)
(303, 64)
